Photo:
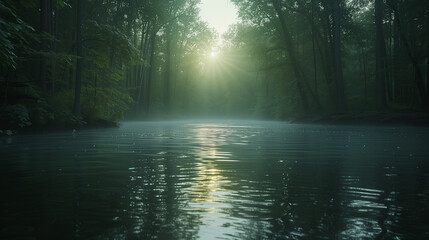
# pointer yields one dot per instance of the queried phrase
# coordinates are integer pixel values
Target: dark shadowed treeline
(330, 56)
(71, 63)
(76, 62)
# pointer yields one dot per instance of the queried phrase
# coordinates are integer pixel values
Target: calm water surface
(217, 180)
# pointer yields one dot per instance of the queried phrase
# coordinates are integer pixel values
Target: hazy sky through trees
(262, 59)
(219, 14)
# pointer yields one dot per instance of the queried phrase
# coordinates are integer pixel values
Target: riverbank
(40, 128)
(369, 118)
(17, 119)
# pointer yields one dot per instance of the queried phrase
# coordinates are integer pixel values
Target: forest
(140, 119)
(94, 62)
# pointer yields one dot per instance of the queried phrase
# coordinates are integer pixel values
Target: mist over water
(219, 179)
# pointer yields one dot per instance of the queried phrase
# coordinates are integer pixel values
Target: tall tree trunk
(44, 42)
(427, 55)
(363, 63)
(292, 55)
(427, 65)
(144, 44)
(147, 95)
(314, 48)
(95, 90)
(168, 71)
(78, 83)
(380, 65)
(341, 100)
(326, 47)
(388, 60)
(186, 91)
(419, 76)
(395, 62)
(325, 60)
(54, 46)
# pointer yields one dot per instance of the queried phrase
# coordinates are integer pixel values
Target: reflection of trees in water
(331, 188)
(292, 185)
(379, 189)
(404, 190)
(284, 188)
(254, 229)
(158, 198)
(275, 190)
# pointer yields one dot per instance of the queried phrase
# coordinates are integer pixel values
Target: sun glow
(213, 54)
(219, 14)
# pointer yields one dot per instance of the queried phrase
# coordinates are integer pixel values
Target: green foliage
(60, 111)
(12, 31)
(14, 117)
(150, 58)
(65, 118)
(108, 104)
(105, 35)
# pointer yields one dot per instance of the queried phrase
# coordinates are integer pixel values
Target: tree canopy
(70, 63)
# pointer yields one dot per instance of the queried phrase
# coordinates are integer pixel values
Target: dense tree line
(336, 56)
(67, 63)
(70, 62)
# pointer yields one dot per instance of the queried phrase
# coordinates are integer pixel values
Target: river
(217, 180)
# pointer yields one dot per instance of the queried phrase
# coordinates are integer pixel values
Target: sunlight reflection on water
(225, 179)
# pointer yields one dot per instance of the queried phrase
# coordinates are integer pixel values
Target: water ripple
(224, 179)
